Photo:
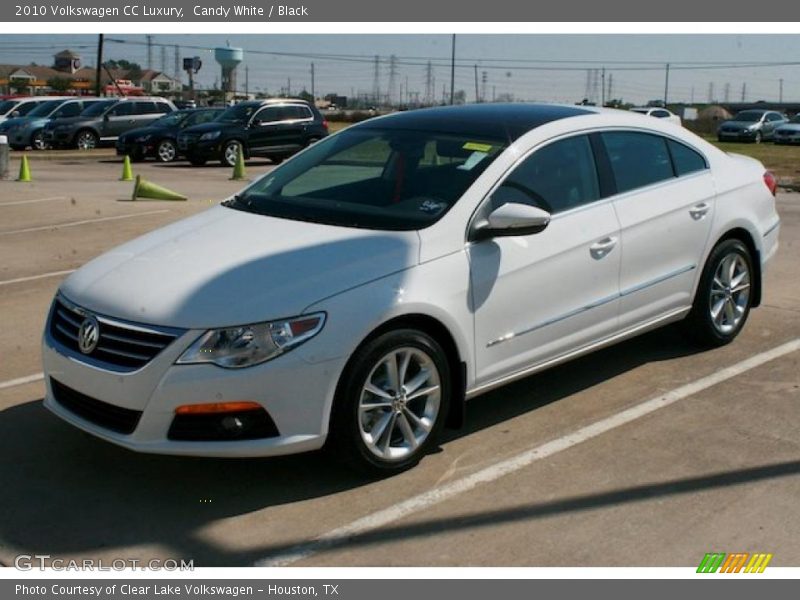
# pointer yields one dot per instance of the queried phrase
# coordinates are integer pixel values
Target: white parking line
(85, 222)
(21, 381)
(440, 494)
(18, 202)
(35, 277)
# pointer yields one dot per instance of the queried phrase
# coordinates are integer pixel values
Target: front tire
(724, 296)
(167, 151)
(391, 403)
(86, 140)
(37, 141)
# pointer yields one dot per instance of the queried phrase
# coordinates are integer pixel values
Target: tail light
(325, 124)
(771, 182)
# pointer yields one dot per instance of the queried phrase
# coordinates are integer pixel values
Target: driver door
(537, 297)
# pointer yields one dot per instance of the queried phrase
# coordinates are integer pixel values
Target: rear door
(665, 203)
(117, 120)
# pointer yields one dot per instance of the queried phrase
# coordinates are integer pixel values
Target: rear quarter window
(685, 159)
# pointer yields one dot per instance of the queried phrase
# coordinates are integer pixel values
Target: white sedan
(360, 293)
(658, 113)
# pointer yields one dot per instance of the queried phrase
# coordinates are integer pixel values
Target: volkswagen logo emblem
(88, 334)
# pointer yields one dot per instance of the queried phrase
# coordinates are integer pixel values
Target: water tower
(229, 58)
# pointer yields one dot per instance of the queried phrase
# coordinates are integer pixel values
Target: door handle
(600, 249)
(698, 211)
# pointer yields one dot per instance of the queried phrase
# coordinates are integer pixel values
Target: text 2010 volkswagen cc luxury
(357, 295)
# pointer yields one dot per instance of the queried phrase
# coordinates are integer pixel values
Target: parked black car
(106, 121)
(160, 138)
(274, 128)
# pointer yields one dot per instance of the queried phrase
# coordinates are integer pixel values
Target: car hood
(741, 125)
(16, 122)
(211, 126)
(226, 267)
(134, 133)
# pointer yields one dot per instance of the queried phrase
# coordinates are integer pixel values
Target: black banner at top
(176, 11)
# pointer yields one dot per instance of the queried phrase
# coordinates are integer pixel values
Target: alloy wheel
(730, 293)
(399, 403)
(166, 151)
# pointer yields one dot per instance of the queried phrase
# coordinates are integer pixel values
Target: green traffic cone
(127, 172)
(24, 170)
(238, 168)
(144, 189)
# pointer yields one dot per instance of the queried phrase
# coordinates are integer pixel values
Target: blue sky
(344, 63)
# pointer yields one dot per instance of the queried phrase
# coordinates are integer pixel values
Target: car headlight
(211, 135)
(248, 345)
(142, 138)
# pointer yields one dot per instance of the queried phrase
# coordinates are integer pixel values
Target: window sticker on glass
(477, 147)
(472, 160)
(432, 207)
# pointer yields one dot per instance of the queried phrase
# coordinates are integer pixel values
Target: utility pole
(313, 89)
(149, 52)
(392, 87)
(453, 71)
(484, 80)
(603, 92)
(610, 95)
(376, 81)
(98, 71)
(289, 87)
(666, 86)
(176, 67)
(164, 59)
(744, 91)
(477, 97)
(246, 82)
(428, 100)
(780, 92)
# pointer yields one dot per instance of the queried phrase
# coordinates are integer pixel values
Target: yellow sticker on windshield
(477, 147)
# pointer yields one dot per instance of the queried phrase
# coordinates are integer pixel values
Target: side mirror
(512, 219)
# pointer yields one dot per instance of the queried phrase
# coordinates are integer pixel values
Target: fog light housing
(221, 421)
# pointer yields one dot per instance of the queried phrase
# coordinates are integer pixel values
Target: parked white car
(658, 113)
(358, 294)
(21, 106)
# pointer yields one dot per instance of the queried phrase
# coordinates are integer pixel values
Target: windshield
(172, 119)
(239, 113)
(45, 108)
(24, 108)
(7, 105)
(373, 178)
(748, 116)
(98, 108)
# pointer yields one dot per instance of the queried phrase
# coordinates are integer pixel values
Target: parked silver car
(788, 133)
(751, 126)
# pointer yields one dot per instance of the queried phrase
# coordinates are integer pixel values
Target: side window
(163, 108)
(122, 109)
(560, 176)
(205, 116)
(775, 117)
(269, 114)
(145, 108)
(71, 109)
(297, 112)
(660, 114)
(685, 159)
(637, 159)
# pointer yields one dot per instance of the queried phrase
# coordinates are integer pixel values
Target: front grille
(115, 418)
(121, 346)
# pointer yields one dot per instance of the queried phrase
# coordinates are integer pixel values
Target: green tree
(59, 84)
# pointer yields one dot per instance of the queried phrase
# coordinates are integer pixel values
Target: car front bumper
(738, 135)
(297, 395)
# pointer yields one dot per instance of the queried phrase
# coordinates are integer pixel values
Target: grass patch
(782, 160)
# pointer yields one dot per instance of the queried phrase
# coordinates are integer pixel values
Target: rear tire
(724, 296)
(386, 418)
(230, 151)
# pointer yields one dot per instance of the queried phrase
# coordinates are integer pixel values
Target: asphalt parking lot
(532, 480)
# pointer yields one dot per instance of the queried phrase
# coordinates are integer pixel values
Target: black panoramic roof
(497, 121)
